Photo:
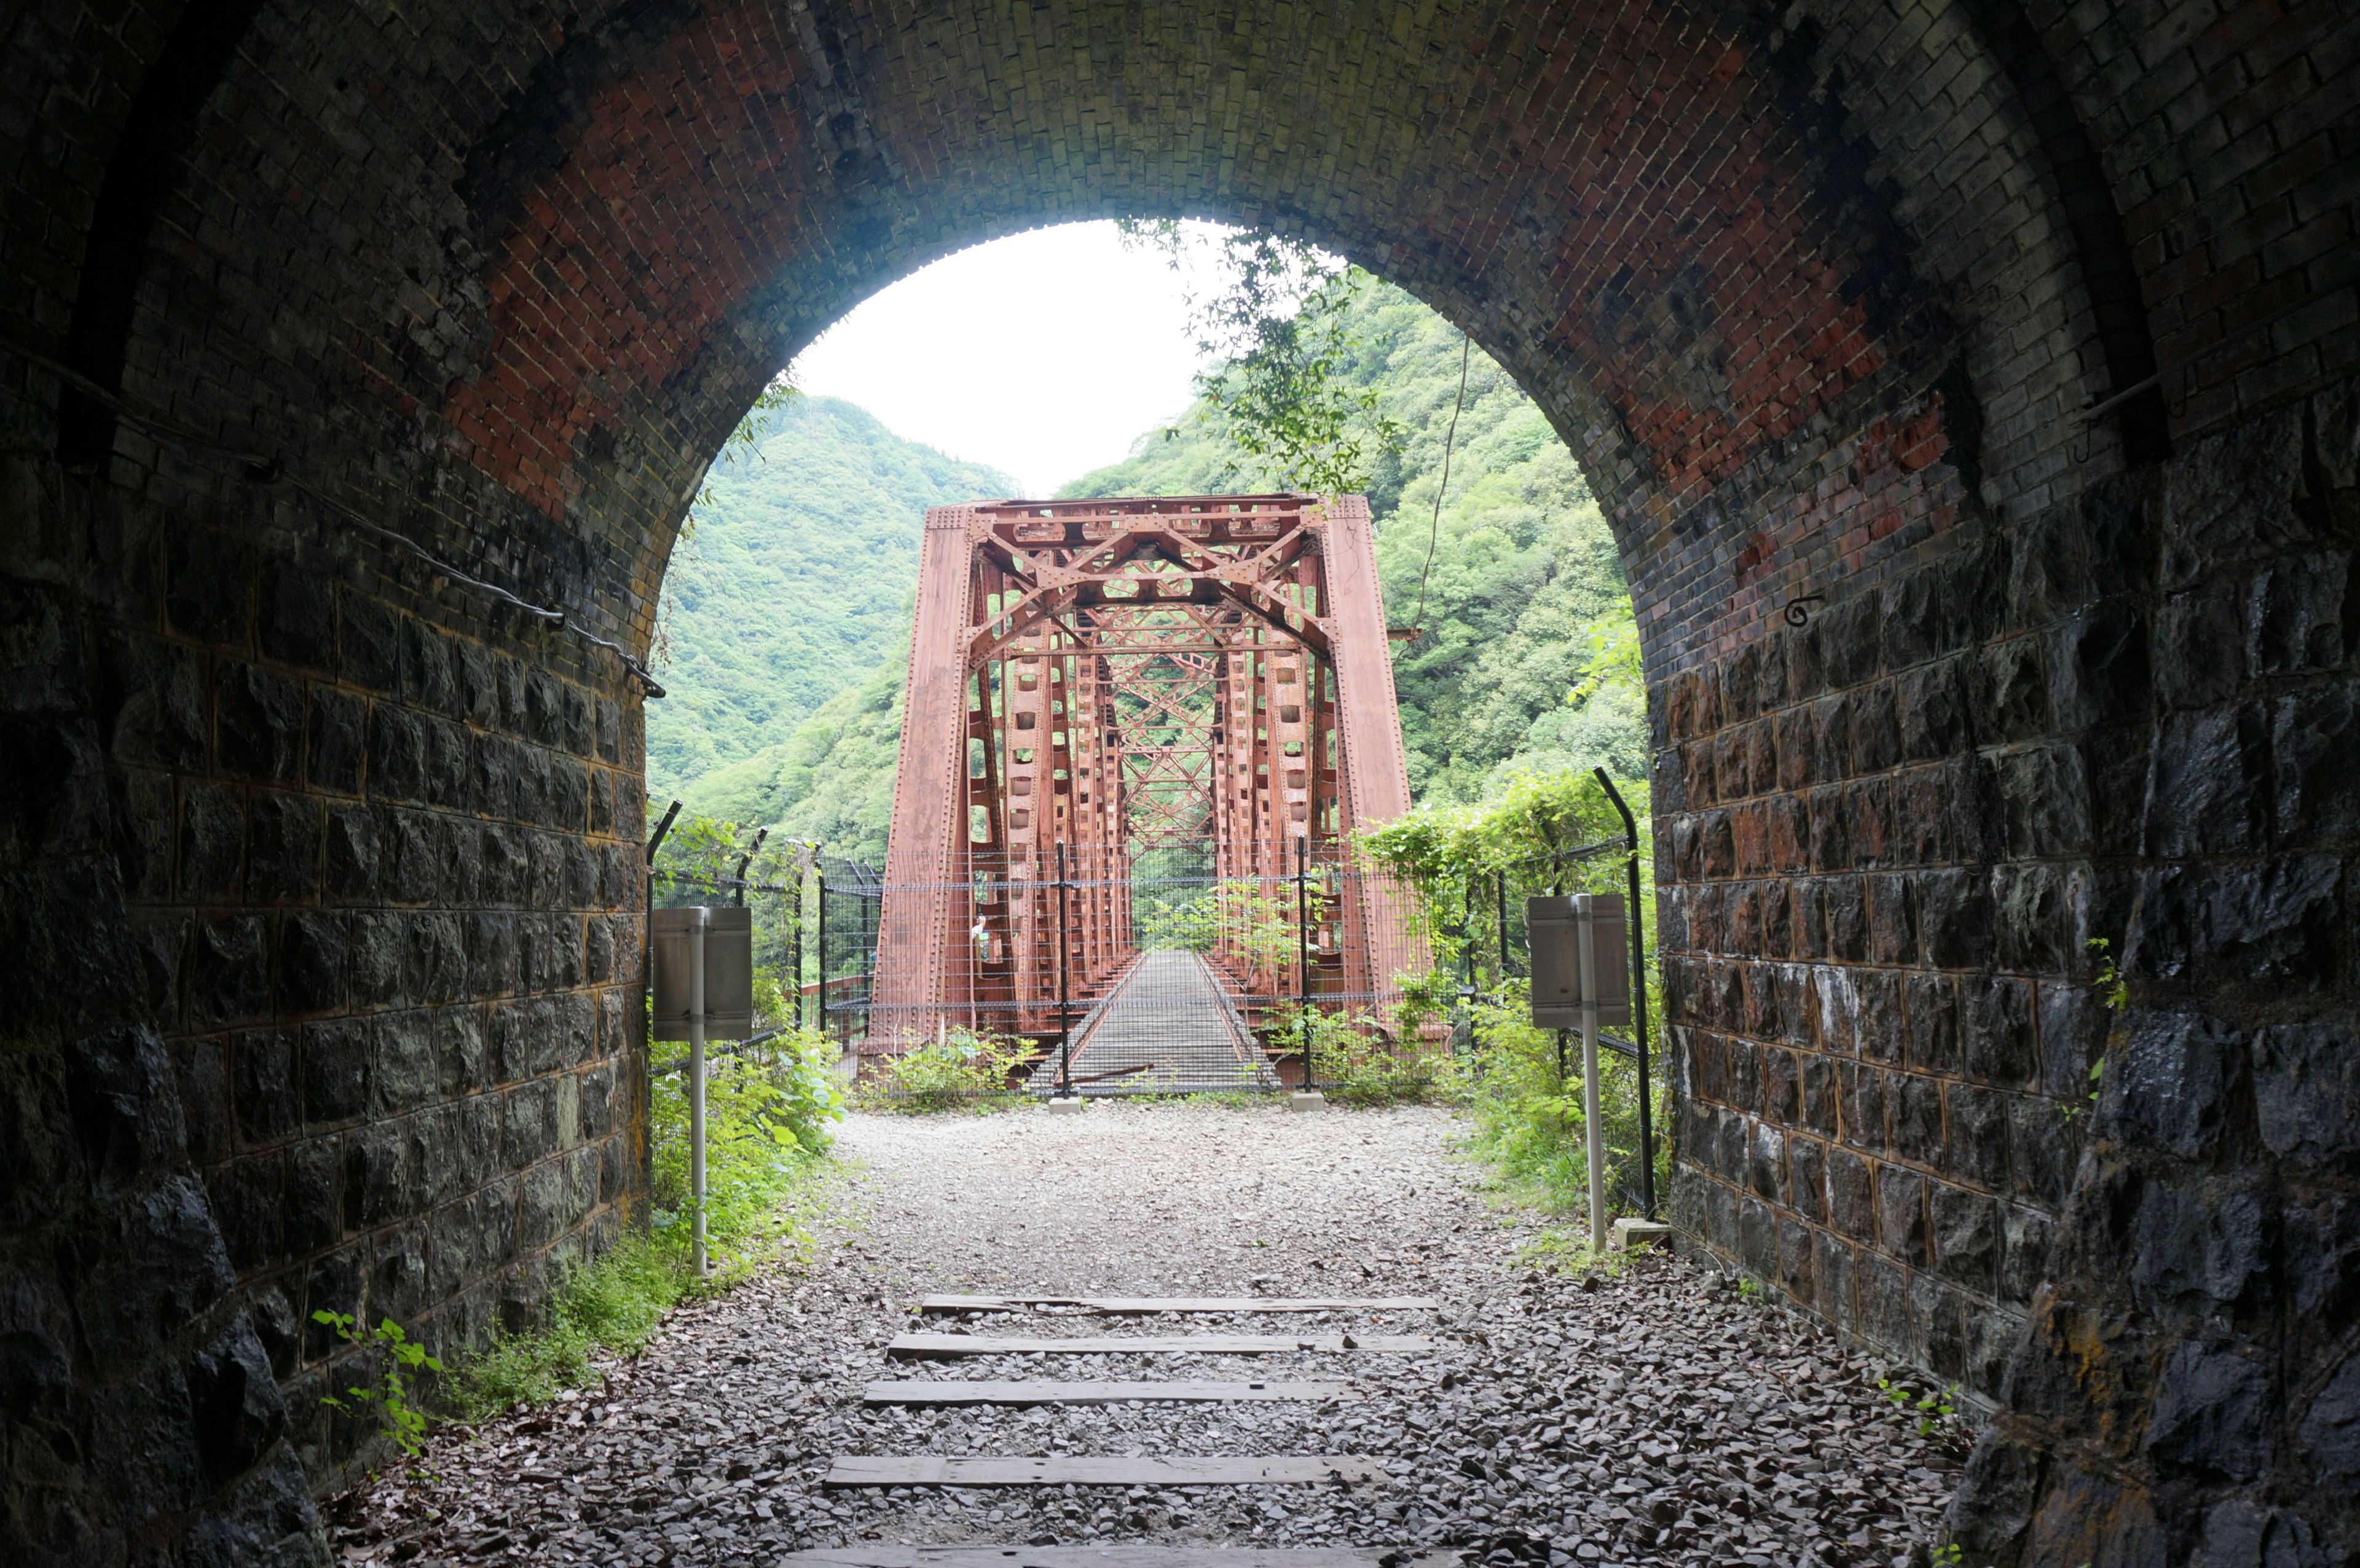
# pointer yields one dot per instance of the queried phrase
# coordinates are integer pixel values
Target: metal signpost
(704, 963)
(1579, 981)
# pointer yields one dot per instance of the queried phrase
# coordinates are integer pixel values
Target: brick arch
(323, 865)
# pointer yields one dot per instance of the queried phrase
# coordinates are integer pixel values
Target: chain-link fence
(1176, 968)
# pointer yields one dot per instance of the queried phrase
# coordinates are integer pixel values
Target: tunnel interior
(1969, 385)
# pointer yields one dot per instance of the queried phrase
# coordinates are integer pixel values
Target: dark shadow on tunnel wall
(317, 970)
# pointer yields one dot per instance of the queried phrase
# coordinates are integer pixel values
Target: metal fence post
(1586, 950)
(819, 942)
(1303, 955)
(1638, 1002)
(1065, 1017)
(696, 1082)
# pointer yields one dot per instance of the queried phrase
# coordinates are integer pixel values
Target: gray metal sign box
(1554, 928)
(728, 972)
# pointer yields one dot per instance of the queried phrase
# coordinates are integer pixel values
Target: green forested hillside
(789, 623)
(786, 606)
(1526, 589)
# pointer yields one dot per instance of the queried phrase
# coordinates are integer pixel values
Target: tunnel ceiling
(1971, 388)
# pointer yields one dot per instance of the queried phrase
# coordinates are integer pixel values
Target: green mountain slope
(1525, 578)
(790, 598)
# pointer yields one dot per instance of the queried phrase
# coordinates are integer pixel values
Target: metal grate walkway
(1167, 1029)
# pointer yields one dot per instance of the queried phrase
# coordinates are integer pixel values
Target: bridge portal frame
(1035, 742)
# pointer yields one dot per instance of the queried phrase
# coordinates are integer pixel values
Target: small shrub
(614, 1304)
(765, 1115)
(396, 1412)
(958, 1071)
(1351, 1060)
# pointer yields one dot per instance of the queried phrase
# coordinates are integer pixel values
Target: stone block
(2206, 793)
(1892, 920)
(1832, 1274)
(1915, 1103)
(258, 716)
(2011, 690)
(2024, 1236)
(1955, 917)
(225, 977)
(297, 624)
(1964, 1229)
(2198, 1251)
(1765, 1171)
(283, 848)
(1807, 1183)
(202, 1071)
(528, 1122)
(1757, 1238)
(2199, 643)
(2307, 1094)
(314, 1209)
(1997, 1033)
(2283, 923)
(2035, 919)
(2212, 1414)
(2034, 1148)
(2099, 667)
(1831, 738)
(1846, 906)
(1901, 1213)
(2315, 735)
(248, 1198)
(369, 646)
(337, 746)
(234, 1408)
(211, 851)
(269, 1104)
(314, 963)
(2295, 613)
(396, 754)
(2168, 1083)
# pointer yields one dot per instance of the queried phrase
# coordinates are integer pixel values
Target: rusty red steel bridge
(1135, 725)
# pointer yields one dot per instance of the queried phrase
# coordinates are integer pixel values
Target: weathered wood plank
(1176, 1390)
(931, 1470)
(1135, 1305)
(929, 1347)
(1102, 1557)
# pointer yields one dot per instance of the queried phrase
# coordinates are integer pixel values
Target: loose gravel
(1659, 1416)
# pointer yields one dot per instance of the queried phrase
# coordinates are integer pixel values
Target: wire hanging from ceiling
(1434, 528)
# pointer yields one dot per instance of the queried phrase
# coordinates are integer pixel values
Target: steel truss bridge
(1134, 726)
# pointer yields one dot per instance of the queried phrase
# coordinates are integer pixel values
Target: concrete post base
(1303, 1100)
(1068, 1107)
(1635, 1235)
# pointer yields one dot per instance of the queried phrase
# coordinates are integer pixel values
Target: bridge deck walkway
(1168, 1027)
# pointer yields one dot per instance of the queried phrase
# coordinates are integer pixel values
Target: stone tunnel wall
(1890, 838)
(334, 889)
(319, 891)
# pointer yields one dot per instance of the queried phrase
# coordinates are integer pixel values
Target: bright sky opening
(1044, 354)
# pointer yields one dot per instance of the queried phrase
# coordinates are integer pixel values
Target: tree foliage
(1525, 590)
(1281, 337)
(796, 589)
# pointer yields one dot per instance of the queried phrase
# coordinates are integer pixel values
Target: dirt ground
(1656, 1416)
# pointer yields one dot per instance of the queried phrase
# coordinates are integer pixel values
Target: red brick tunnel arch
(323, 859)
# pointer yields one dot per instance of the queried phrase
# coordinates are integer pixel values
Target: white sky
(982, 354)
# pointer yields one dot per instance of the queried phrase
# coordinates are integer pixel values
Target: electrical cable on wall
(1434, 528)
(266, 471)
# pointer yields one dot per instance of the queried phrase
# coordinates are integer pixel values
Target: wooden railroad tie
(1109, 1557)
(936, 1347)
(933, 1470)
(952, 1392)
(1137, 1305)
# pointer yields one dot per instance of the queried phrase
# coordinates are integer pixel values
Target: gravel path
(1657, 1417)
